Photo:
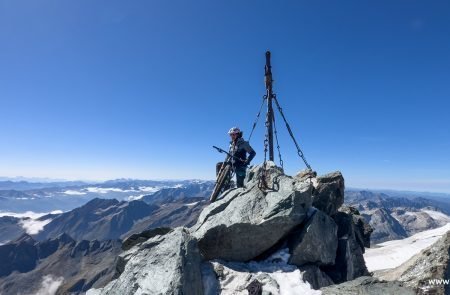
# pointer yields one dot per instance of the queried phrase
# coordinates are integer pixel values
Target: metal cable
(299, 151)
(262, 183)
(278, 145)
(257, 117)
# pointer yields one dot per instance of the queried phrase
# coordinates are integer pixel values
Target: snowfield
(437, 216)
(393, 253)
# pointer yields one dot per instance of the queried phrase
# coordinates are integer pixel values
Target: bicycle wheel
(222, 179)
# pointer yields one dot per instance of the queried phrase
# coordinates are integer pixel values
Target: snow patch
(393, 253)
(291, 283)
(274, 273)
(192, 204)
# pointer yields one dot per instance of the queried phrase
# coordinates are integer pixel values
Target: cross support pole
(269, 93)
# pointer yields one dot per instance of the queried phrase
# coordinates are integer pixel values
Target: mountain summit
(253, 238)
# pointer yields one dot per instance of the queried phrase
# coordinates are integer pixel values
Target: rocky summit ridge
(297, 228)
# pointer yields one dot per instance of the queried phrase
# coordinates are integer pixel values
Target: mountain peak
(247, 224)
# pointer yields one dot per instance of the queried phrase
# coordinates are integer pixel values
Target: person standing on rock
(239, 149)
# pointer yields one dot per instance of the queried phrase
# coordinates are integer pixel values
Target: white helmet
(234, 130)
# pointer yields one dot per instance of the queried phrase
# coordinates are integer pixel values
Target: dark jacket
(240, 149)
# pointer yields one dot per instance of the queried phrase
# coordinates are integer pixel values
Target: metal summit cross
(225, 172)
(271, 129)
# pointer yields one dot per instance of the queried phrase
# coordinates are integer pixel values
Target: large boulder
(246, 222)
(328, 194)
(349, 263)
(317, 241)
(164, 264)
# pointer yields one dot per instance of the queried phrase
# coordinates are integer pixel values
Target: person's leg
(240, 176)
(240, 181)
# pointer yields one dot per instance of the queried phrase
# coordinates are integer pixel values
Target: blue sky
(143, 89)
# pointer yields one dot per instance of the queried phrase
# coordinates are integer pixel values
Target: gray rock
(315, 277)
(430, 264)
(245, 222)
(328, 195)
(144, 236)
(307, 173)
(349, 263)
(363, 230)
(367, 286)
(164, 264)
(317, 241)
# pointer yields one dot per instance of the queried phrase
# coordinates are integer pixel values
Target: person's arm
(251, 152)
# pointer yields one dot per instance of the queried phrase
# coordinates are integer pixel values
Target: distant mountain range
(49, 196)
(398, 217)
(165, 203)
(98, 219)
(89, 233)
(103, 219)
(27, 185)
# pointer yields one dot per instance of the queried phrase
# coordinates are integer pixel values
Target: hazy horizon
(101, 91)
(356, 187)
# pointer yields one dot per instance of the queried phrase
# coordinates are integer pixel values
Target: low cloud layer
(74, 193)
(49, 285)
(29, 220)
(33, 226)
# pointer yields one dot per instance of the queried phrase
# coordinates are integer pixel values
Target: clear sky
(143, 89)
